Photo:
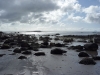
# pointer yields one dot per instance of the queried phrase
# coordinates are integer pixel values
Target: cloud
(92, 14)
(75, 18)
(14, 10)
(42, 14)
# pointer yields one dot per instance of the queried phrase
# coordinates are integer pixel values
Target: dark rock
(91, 47)
(79, 50)
(68, 40)
(87, 61)
(35, 49)
(30, 48)
(40, 54)
(12, 54)
(83, 54)
(17, 50)
(43, 46)
(45, 43)
(96, 58)
(52, 44)
(59, 45)
(5, 46)
(8, 41)
(58, 51)
(13, 43)
(78, 47)
(24, 44)
(56, 38)
(23, 48)
(27, 52)
(22, 57)
(2, 55)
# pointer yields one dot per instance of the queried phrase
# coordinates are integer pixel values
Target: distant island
(34, 31)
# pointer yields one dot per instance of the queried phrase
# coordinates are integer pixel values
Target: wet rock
(24, 44)
(40, 54)
(56, 38)
(23, 48)
(13, 43)
(44, 46)
(2, 55)
(83, 54)
(45, 43)
(96, 58)
(91, 47)
(68, 40)
(30, 48)
(17, 50)
(8, 41)
(87, 61)
(78, 47)
(59, 45)
(22, 57)
(12, 54)
(27, 52)
(79, 50)
(58, 51)
(52, 44)
(35, 49)
(5, 46)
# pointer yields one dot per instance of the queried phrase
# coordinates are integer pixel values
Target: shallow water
(66, 64)
(61, 33)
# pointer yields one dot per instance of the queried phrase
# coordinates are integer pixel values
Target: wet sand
(67, 64)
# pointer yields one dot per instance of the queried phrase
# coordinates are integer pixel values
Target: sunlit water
(61, 33)
(67, 64)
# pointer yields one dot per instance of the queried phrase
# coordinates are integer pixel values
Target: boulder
(40, 54)
(12, 54)
(59, 45)
(8, 41)
(52, 44)
(27, 52)
(91, 47)
(35, 49)
(87, 61)
(79, 47)
(22, 57)
(83, 54)
(23, 48)
(58, 51)
(17, 50)
(5, 46)
(96, 58)
(45, 43)
(2, 55)
(24, 44)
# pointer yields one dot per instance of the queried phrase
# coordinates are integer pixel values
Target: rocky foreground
(26, 47)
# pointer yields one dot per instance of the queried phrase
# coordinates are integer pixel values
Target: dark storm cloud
(14, 10)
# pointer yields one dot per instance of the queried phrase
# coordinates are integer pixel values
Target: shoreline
(22, 54)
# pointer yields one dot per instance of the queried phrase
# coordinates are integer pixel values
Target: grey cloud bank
(46, 13)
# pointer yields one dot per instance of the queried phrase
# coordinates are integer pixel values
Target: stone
(83, 54)
(58, 51)
(22, 57)
(40, 54)
(91, 47)
(87, 61)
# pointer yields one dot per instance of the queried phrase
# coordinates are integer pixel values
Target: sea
(60, 32)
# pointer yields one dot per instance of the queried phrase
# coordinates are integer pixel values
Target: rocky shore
(18, 51)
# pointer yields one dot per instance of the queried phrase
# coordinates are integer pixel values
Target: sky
(50, 15)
